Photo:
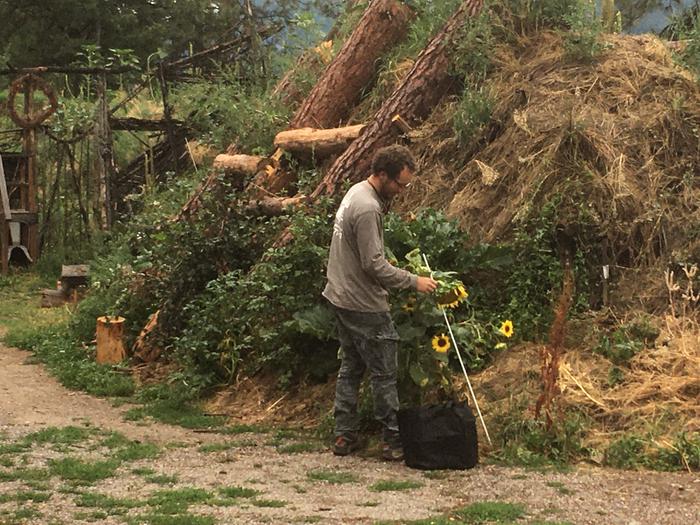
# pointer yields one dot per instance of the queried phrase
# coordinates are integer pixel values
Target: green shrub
(230, 111)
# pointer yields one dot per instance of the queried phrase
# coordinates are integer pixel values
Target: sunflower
(450, 299)
(441, 343)
(506, 328)
(410, 305)
(462, 294)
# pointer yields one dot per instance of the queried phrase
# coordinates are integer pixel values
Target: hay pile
(618, 140)
(659, 383)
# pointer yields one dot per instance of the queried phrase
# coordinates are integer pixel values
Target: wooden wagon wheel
(28, 85)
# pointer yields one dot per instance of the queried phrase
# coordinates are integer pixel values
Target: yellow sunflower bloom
(462, 294)
(506, 328)
(410, 305)
(452, 304)
(441, 343)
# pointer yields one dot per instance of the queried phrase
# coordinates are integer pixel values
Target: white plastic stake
(461, 362)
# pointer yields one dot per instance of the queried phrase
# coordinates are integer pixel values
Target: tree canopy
(36, 32)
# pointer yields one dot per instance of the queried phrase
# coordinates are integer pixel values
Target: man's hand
(426, 285)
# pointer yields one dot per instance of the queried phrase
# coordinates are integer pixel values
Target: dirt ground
(31, 400)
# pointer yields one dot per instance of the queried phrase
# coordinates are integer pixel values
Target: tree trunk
(413, 99)
(317, 143)
(339, 89)
(110, 345)
(273, 206)
(247, 164)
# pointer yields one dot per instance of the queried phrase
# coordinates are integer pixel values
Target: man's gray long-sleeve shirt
(358, 272)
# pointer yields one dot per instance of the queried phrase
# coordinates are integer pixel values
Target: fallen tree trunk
(246, 164)
(413, 99)
(318, 143)
(273, 206)
(383, 24)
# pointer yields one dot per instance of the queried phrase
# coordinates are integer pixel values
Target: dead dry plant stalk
(550, 354)
(689, 298)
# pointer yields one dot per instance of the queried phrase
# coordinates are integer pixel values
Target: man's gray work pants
(368, 341)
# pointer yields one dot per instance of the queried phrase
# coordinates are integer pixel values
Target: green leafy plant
(582, 41)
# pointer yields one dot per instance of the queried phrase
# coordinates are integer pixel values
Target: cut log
(273, 206)
(246, 164)
(413, 99)
(53, 298)
(339, 89)
(317, 143)
(110, 344)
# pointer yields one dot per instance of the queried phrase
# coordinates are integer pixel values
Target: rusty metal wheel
(28, 85)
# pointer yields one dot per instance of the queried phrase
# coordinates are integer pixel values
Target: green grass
(238, 492)
(174, 412)
(25, 513)
(392, 485)
(175, 501)
(216, 447)
(270, 503)
(301, 447)
(161, 479)
(24, 496)
(14, 448)
(19, 296)
(478, 513)
(134, 451)
(170, 519)
(107, 503)
(69, 435)
(25, 474)
(143, 471)
(245, 429)
(83, 472)
(332, 476)
(491, 511)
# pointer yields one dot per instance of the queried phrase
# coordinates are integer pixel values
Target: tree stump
(110, 344)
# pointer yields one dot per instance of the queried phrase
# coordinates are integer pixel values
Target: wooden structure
(18, 217)
(70, 288)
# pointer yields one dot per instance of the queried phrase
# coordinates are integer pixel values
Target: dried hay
(617, 140)
(660, 385)
(660, 392)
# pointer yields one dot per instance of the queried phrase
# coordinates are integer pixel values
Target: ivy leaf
(317, 321)
(409, 331)
(419, 376)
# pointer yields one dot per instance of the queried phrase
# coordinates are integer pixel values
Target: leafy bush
(528, 441)
(634, 451)
(623, 343)
(472, 112)
(582, 40)
(229, 111)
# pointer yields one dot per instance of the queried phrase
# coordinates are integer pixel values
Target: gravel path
(31, 400)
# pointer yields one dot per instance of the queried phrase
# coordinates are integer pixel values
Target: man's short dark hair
(392, 160)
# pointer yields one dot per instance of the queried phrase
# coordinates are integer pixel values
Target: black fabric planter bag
(439, 436)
